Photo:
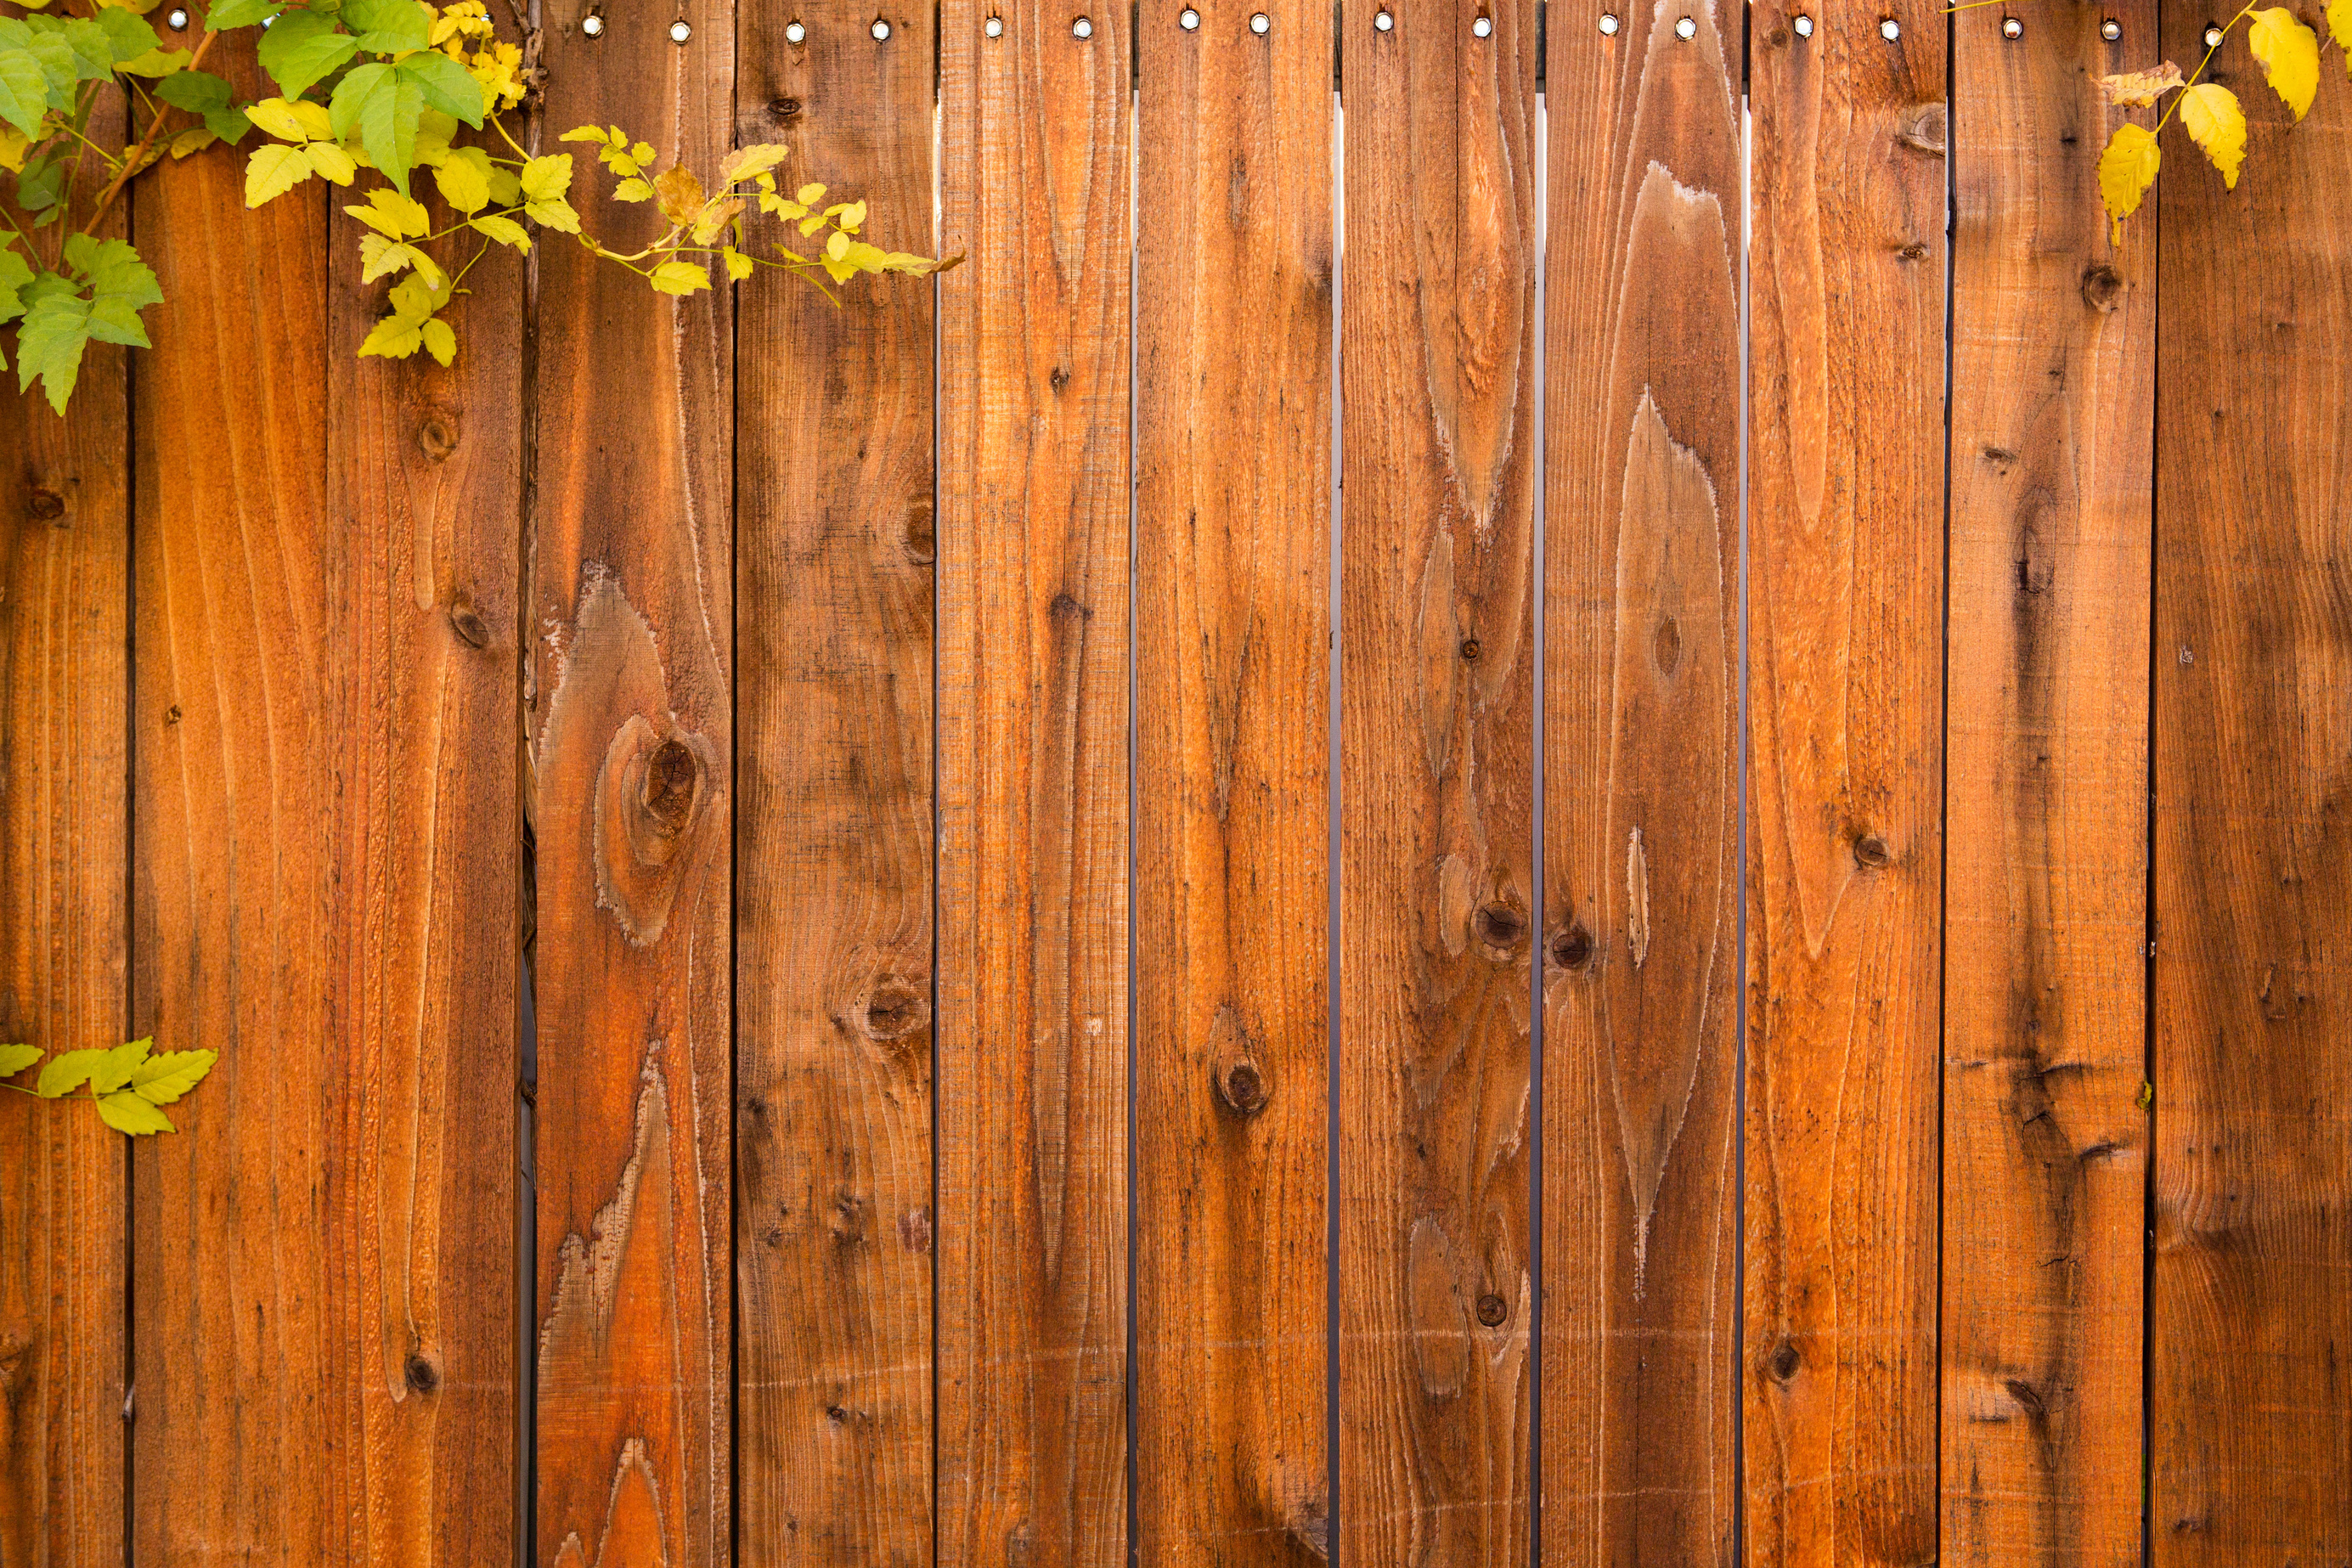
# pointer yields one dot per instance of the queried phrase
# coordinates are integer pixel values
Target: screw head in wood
(1608, 25)
(881, 29)
(1804, 25)
(1686, 30)
(592, 26)
(1259, 23)
(794, 33)
(679, 32)
(1384, 22)
(1084, 27)
(2012, 28)
(994, 26)
(2212, 37)
(177, 21)
(1189, 19)
(1890, 30)
(1482, 27)
(2110, 29)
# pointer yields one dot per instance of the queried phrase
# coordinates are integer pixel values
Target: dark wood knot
(1572, 949)
(894, 1009)
(2103, 287)
(45, 504)
(1923, 130)
(1870, 851)
(436, 437)
(467, 624)
(423, 1375)
(1493, 1310)
(670, 780)
(2027, 1399)
(1783, 1361)
(1470, 651)
(1499, 925)
(1242, 1088)
(922, 541)
(783, 110)
(1667, 645)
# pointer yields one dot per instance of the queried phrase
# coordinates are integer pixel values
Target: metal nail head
(1804, 25)
(1890, 30)
(1608, 25)
(2110, 29)
(994, 26)
(1686, 30)
(679, 32)
(1084, 27)
(177, 21)
(1482, 27)
(2212, 37)
(1189, 19)
(592, 26)
(2012, 28)
(1259, 23)
(1383, 22)
(881, 29)
(794, 33)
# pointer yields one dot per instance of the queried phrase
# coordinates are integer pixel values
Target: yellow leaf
(393, 215)
(2339, 27)
(2139, 89)
(393, 338)
(553, 213)
(739, 265)
(748, 163)
(505, 230)
(2126, 169)
(379, 255)
(680, 278)
(712, 221)
(273, 170)
(439, 341)
(583, 134)
(332, 163)
(809, 195)
(2211, 114)
(2290, 55)
(464, 179)
(633, 191)
(14, 147)
(837, 247)
(543, 178)
(295, 121)
(194, 139)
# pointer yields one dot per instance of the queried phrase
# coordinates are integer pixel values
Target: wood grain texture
(1033, 789)
(251, 1311)
(1845, 737)
(1642, 754)
(1233, 777)
(632, 606)
(2045, 1145)
(832, 931)
(425, 496)
(65, 846)
(2250, 1301)
(1436, 765)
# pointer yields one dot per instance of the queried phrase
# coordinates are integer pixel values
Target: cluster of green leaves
(2288, 53)
(129, 1084)
(369, 93)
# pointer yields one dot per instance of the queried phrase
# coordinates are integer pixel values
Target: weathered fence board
(1437, 883)
(833, 911)
(1032, 786)
(1845, 727)
(64, 696)
(633, 761)
(2045, 1167)
(1641, 790)
(2250, 1295)
(1232, 815)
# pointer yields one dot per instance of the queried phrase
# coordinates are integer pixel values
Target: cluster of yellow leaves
(463, 32)
(2211, 113)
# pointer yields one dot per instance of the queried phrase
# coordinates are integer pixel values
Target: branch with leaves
(2211, 113)
(129, 1084)
(370, 91)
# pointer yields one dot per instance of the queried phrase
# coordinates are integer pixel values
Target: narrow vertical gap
(526, 1456)
(1943, 726)
(939, 560)
(1739, 1348)
(2147, 897)
(1134, 401)
(734, 843)
(129, 919)
(1332, 870)
(1535, 1031)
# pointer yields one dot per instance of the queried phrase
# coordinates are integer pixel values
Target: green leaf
(114, 270)
(40, 183)
(198, 92)
(130, 1114)
(129, 36)
(48, 349)
(14, 1060)
(386, 106)
(301, 49)
(14, 273)
(120, 1062)
(273, 170)
(464, 178)
(505, 230)
(161, 1079)
(156, 62)
(93, 49)
(446, 85)
(59, 66)
(352, 93)
(389, 27)
(24, 91)
(66, 1073)
(229, 124)
(241, 14)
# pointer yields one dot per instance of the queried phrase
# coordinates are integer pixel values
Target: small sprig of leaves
(2211, 113)
(129, 1084)
(369, 91)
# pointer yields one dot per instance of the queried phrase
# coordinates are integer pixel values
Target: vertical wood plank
(250, 1439)
(1032, 786)
(1232, 628)
(2046, 862)
(2250, 1301)
(1845, 736)
(1437, 782)
(632, 780)
(64, 955)
(833, 973)
(425, 499)
(1642, 748)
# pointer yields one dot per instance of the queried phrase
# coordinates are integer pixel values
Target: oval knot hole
(1242, 1088)
(1493, 1310)
(894, 1010)
(1669, 645)
(1499, 926)
(436, 439)
(922, 541)
(1870, 851)
(671, 777)
(1572, 949)
(467, 624)
(2103, 287)
(45, 504)
(423, 1375)
(1783, 1361)
(782, 110)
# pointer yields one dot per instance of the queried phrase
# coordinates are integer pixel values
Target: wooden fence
(1834, 1048)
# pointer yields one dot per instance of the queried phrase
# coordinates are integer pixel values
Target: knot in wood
(423, 1375)
(670, 781)
(894, 1010)
(1870, 851)
(922, 541)
(1493, 1310)
(1783, 1361)
(467, 624)
(436, 439)
(1242, 1088)
(2103, 287)
(45, 504)
(653, 800)
(1499, 926)
(1924, 129)
(1470, 651)
(1572, 949)
(784, 110)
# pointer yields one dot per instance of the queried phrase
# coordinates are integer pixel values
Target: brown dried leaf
(2140, 88)
(679, 193)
